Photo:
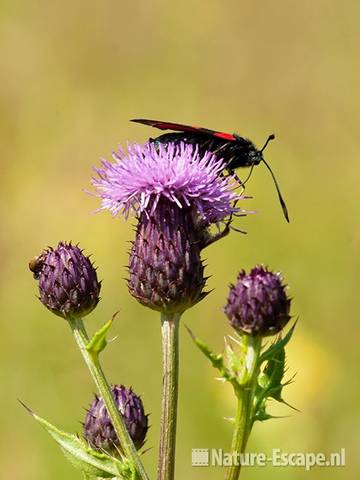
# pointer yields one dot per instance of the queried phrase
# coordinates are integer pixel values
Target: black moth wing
(236, 151)
(178, 127)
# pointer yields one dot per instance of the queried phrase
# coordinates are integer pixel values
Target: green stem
(170, 346)
(245, 398)
(105, 391)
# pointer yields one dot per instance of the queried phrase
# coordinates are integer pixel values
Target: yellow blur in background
(72, 75)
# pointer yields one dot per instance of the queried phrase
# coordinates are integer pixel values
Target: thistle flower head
(257, 303)
(68, 283)
(139, 178)
(176, 194)
(98, 429)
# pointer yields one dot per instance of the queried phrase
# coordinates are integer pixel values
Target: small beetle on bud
(35, 266)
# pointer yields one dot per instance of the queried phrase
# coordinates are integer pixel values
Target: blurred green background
(72, 75)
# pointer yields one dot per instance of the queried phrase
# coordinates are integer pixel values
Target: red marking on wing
(225, 136)
(178, 127)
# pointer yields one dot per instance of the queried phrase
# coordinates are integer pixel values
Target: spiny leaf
(274, 372)
(270, 379)
(262, 415)
(270, 384)
(275, 347)
(98, 341)
(234, 361)
(91, 462)
(215, 359)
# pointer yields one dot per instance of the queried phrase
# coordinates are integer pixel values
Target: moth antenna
(270, 137)
(281, 199)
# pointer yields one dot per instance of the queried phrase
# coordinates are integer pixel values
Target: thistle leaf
(277, 346)
(98, 341)
(262, 415)
(234, 360)
(273, 374)
(270, 383)
(91, 462)
(216, 359)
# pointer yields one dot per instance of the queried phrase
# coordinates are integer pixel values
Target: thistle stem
(170, 347)
(245, 400)
(105, 391)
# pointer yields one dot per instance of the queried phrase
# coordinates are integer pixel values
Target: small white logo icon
(200, 457)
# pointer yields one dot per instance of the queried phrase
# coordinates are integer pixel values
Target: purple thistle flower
(257, 303)
(138, 178)
(98, 429)
(176, 194)
(68, 283)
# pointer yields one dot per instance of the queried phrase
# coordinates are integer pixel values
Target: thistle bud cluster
(178, 196)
